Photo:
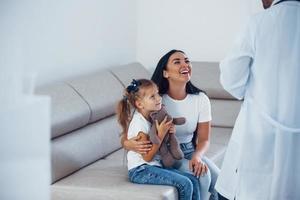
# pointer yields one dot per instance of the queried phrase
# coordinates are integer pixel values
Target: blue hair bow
(134, 86)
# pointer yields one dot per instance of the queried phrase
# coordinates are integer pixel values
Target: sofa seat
(107, 178)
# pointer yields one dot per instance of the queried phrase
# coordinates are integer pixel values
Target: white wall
(59, 39)
(64, 38)
(204, 29)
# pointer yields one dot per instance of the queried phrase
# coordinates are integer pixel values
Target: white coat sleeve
(235, 68)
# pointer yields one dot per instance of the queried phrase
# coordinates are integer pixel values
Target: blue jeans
(186, 184)
(208, 181)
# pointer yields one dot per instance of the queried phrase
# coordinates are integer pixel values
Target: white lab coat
(262, 161)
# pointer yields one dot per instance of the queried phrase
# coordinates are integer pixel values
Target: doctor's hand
(197, 166)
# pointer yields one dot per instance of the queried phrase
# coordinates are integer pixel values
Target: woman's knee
(205, 180)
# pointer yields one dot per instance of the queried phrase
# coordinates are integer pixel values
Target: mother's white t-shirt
(194, 107)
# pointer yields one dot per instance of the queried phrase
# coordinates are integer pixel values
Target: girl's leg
(195, 182)
(147, 174)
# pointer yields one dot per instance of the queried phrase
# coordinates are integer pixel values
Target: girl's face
(151, 100)
(179, 68)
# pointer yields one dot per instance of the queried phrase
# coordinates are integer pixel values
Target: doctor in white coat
(262, 161)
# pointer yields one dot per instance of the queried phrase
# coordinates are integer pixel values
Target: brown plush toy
(169, 149)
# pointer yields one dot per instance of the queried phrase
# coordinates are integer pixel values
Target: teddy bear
(169, 150)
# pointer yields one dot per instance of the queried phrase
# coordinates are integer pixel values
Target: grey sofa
(87, 161)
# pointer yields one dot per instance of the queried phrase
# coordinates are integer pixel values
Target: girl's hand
(163, 127)
(197, 166)
(172, 129)
(141, 147)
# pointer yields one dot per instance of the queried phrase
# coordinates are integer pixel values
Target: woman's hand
(141, 147)
(197, 166)
(163, 127)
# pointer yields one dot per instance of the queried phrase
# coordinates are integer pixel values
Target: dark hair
(162, 82)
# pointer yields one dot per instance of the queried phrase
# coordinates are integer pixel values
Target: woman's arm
(202, 144)
(135, 144)
(203, 138)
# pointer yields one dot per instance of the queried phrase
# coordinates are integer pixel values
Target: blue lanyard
(284, 0)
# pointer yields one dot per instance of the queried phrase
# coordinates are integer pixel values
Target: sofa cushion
(218, 144)
(101, 91)
(108, 179)
(84, 146)
(68, 110)
(125, 73)
(224, 112)
(206, 75)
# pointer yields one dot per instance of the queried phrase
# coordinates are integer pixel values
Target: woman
(182, 99)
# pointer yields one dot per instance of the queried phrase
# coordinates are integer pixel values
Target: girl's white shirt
(139, 124)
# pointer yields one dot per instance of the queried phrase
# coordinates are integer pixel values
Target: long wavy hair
(162, 82)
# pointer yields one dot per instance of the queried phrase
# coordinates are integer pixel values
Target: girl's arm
(155, 147)
(162, 130)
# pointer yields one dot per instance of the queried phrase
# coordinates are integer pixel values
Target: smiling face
(178, 68)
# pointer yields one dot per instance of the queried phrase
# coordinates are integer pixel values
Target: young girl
(142, 95)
